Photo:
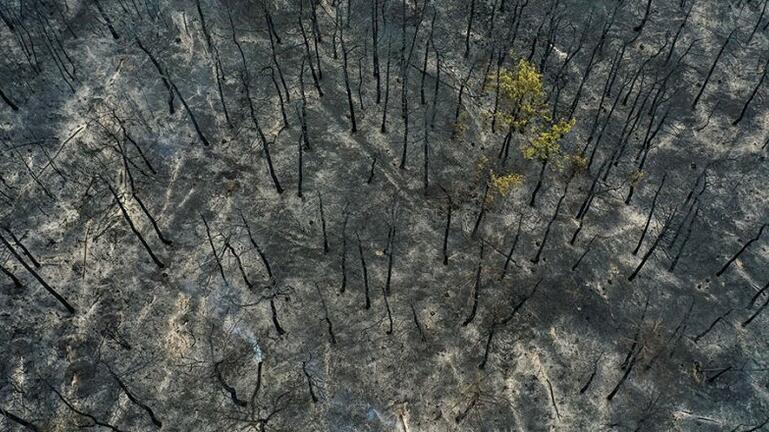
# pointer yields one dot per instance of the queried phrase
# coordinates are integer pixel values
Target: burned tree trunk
(641, 25)
(37, 276)
(19, 421)
(448, 227)
(476, 290)
(163, 75)
(470, 19)
(654, 245)
(753, 93)
(326, 317)
(131, 225)
(8, 101)
(536, 258)
(651, 213)
(231, 390)
(365, 272)
(136, 401)
(744, 247)
(353, 123)
(712, 68)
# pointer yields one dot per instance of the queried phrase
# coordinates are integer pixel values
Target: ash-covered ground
(273, 215)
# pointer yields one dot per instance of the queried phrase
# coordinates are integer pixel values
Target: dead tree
(375, 47)
(712, 68)
(756, 313)
(509, 256)
(470, 19)
(93, 419)
(106, 19)
(462, 87)
(19, 420)
(417, 323)
(228, 247)
(422, 99)
(536, 258)
(678, 34)
(131, 225)
(390, 254)
(643, 22)
(163, 75)
(448, 228)
(344, 253)
(134, 400)
(194, 121)
(231, 390)
(17, 241)
(591, 61)
(685, 240)
(365, 272)
(744, 247)
(138, 200)
(476, 290)
(310, 383)
(326, 317)
(499, 323)
(353, 123)
(654, 245)
(213, 249)
(721, 318)
(16, 281)
(755, 90)
(246, 80)
(37, 276)
(307, 53)
(758, 21)
(257, 386)
(383, 128)
(386, 296)
(584, 253)
(482, 211)
(651, 213)
(323, 224)
(426, 153)
(630, 363)
(299, 168)
(281, 101)
(303, 111)
(533, 199)
(8, 101)
(273, 39)
(274, 316)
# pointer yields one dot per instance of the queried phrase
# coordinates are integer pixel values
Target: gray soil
(242, 320)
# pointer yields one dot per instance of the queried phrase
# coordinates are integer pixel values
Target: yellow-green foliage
(504, 184)
(636, 177)
(546, 145)
(460, 126)
(580, 163)
(523, 97)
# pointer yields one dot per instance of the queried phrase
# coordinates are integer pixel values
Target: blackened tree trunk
(37, 276)
(712, 68)
(753, 93)
(470, 19)
(744, 247)
(8, 101)
(136, 232)
(654, 245)
(476, 290)
(365, 272)
(353, 123)
(651, 213)
(645, 19)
